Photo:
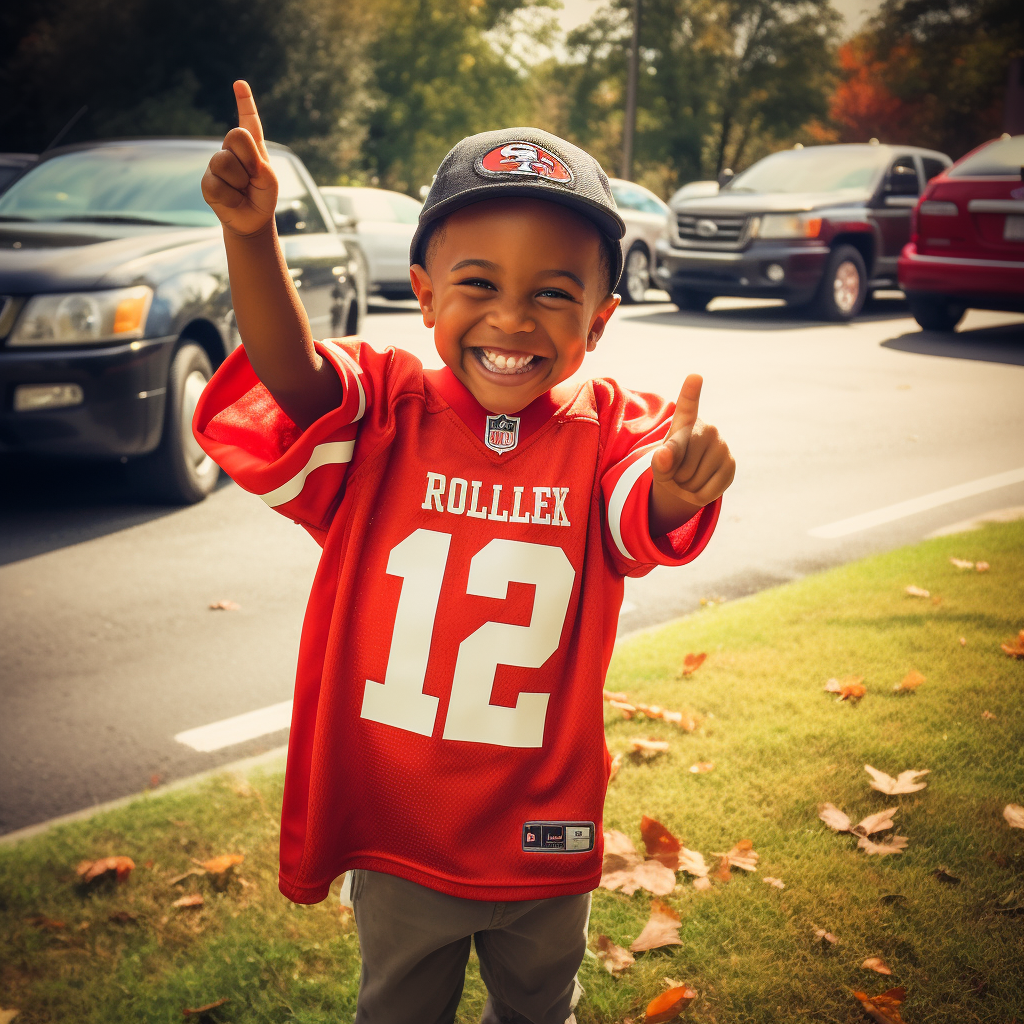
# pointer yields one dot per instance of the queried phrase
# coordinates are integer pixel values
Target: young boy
(447, 742)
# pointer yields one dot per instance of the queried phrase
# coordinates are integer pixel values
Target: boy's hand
(692, 467)
(240, 184)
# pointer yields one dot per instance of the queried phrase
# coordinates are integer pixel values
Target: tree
(720, 83)
(929, 72)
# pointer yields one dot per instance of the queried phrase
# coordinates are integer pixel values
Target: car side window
(407, 210)
(932, 167)
(372, 204)
(902, 179)
(296, 212)
(632, 197)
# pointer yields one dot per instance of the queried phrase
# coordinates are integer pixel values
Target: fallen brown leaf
(876, 963)
(611, 695)
(91, 869)
(660, 843)
(884, 1008)
(777, 882)
(692, 662)
(702, 883)
(895, 844)
(913, 591)
(847, 688)
(193, 899)
(196, 1011)
(692, 862)
(962, 563)
(1015, 648)
(827, 939)
(701, 766)
(662, 929)
(987, 714)
(646, 749)
(911, 681)
(981, 566)
(669, 1005)
(626, 710)
(836, 819)
(218, 865)
(1014, 815)
(623, 869)
(742, 855)
(613, 768)
(722, 872)
(614, 958)
(225, 606)
(905, 782)
(963, 641)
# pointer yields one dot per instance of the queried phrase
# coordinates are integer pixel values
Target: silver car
(645, 217)
(383, 223)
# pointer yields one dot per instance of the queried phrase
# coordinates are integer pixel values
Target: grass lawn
(780, 746)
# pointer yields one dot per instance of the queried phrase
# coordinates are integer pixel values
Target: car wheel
(937, 314)
(691, 302)
(843, 286)
(179, 471)
(636, 275)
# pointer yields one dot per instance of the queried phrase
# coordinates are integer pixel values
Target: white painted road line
(902, 509)
(238, 729)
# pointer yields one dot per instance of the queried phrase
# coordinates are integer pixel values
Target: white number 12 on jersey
(420, 561)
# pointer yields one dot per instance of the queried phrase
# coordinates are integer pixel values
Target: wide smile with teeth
(500, 362)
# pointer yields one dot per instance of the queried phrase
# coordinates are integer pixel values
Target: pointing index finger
(686, 405)
(248, 118)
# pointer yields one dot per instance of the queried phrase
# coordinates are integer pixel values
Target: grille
(695, 229)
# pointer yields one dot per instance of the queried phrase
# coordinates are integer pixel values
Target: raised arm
(241, 188)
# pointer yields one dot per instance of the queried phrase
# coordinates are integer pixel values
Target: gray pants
(415, 945)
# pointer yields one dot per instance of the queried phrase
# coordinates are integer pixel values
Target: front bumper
(977, 283)
(743, 273)
(122, 411)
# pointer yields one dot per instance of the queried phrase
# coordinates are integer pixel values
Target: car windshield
(118, 184)
(997, 160)
(819, 169)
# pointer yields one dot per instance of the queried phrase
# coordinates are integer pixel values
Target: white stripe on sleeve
(620, 493)
(356, 369)
(331, 453)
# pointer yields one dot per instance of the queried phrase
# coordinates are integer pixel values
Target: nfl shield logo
(501, 433)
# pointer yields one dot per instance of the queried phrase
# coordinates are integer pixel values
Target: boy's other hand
(239, 183)
(692, 467)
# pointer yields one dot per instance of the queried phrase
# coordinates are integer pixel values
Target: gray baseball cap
(522, 162)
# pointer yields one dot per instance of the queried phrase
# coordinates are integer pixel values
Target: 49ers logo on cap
(523, 158)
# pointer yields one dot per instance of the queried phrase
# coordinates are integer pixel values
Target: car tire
(179, 471)
(690, 302)
(636, 275)
(936, 314)
(844, 285)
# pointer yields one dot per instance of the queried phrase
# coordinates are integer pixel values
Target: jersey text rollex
(462, 497)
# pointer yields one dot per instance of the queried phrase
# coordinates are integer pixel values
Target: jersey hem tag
(558, 836)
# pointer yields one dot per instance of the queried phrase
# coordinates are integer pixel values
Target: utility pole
(629, 122)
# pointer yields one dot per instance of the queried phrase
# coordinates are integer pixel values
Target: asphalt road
(108, 648)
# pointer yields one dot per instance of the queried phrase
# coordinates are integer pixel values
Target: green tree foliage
(439, 73)
(150, 68)
(720, 83)
(930, 72)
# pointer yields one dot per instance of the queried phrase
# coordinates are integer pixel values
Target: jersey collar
(460, 399)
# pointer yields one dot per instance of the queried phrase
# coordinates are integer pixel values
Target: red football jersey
(447, 725)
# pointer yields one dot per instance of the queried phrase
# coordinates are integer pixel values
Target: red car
(966, 248)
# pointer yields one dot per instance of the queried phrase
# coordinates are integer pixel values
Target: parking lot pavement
(848, 438)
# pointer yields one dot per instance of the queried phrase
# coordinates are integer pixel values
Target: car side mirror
(725, 177)
(902, 182)
(290, 217)
(343, 222)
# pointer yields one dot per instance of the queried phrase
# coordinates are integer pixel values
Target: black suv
(819, 227)
(115, 306)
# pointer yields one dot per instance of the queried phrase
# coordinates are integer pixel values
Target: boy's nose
(511, 318)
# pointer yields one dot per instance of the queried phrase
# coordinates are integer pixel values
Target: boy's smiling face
(516, 292)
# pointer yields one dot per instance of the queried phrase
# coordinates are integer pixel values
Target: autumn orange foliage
(667, 1006)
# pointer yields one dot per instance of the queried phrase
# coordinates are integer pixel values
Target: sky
(855, 12)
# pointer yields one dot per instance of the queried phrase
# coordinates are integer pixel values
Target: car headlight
(789, 225)
(77, 318)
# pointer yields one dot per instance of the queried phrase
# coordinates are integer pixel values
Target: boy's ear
(424, 289)
(602, 315)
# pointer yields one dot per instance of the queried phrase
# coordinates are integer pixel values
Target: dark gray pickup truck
(819, 227)
(115, 307)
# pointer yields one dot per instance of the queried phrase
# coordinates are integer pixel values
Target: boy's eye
(478, 282)
(556, 293)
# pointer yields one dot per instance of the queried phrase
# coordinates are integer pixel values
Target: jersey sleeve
(299, 473)
(638, 425)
